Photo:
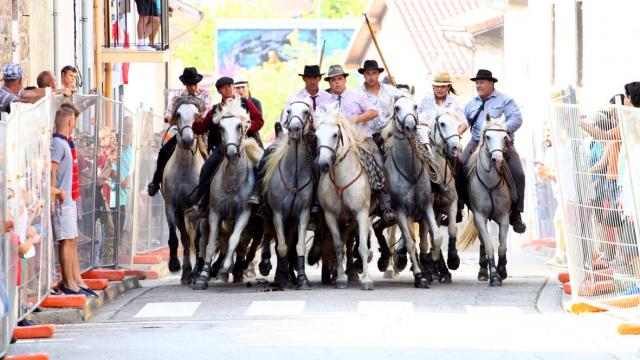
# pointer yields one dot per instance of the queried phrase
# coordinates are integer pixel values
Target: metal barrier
(599, 198)
(9, 260)
(148, 217)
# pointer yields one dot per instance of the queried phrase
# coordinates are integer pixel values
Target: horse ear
(488, 118)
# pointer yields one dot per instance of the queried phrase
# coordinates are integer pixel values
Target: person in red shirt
(224, 85)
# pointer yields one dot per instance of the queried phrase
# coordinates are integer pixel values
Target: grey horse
(230, 189)
(410, 189)
(288, 183)
(491, 194)
(179, 178)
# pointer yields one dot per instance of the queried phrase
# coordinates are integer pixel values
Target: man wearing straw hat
(355, 106)
(496, 104)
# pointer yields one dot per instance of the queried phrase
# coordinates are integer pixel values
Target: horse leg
(256, 236)
(391, 243)
(332, 223)
(174, 263)
(281, 278)
(363, 248)
(483, 273)
(425, 258)
(301, 247)
(453, 259)
(350, 269)
(240, 264)
(436, 240)
(265, 256)
(502, 249)
(234, 239)
(383, 260)
(202, 281)
(483, 232)
(405, 228)
(186, 249)
(400, 259)
(199, 257)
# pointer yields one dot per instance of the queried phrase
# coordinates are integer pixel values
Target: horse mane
(253, 150)
(332, 116)
(188, 100)
(273, 160)
(235, 109)
(490, 123)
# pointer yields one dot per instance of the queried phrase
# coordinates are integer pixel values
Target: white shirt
(428, 107)
(384, 103)
(322, 98)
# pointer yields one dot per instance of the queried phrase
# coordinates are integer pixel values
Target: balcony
(136, 34)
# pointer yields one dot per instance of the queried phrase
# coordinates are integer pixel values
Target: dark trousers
(513, 162)
(206, 175)
(163, 158)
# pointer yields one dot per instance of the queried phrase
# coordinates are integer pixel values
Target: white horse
(446, 145)
(230, 187)
(343, 187)
(490, 198)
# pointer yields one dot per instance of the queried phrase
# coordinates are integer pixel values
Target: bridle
(303, 120)
(238, 145)
(437, 130)
(501, 174)
(192, 149)
(490, 152)
(400, 130)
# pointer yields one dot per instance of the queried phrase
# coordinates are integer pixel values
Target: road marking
(168, 309)
(275, 308)
(385, 307)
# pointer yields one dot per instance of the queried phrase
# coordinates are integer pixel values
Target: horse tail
(469, 235)
(191, 231)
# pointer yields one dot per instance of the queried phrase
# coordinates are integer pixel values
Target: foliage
(340, 9)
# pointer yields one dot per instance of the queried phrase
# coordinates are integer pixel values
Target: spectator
(64, 217)
(69, 78)
(46, 79)
(241, 86)
(121, 180)
(13, 89)
(148, 23)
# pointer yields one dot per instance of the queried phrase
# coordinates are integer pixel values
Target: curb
(34, 356)
(629, 329)
(147, 259)
(78, 315)
(34, 331)
(111, 275)
(550, 297)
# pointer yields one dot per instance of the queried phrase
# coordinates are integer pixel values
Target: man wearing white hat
(355, 106)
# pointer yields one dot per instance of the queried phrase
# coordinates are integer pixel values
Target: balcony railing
(136, 25)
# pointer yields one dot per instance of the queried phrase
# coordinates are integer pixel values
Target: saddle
(375, 174)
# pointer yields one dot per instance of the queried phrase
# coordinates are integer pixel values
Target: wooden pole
(324, 42)
(375, 42)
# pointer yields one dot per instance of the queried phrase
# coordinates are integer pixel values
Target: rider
(495, 104)
(439, 100)
(190, 78)
(355, 106)
(224, 85)
(241, 86)
(312, 94)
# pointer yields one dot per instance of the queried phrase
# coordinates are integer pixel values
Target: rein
(449, 160)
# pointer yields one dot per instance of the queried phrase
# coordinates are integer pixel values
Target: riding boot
(516, 222)
(163, 158)
(255, 194)
(202, 191)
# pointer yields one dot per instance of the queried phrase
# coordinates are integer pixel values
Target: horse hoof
(483, 275)
(265, 267)
(303, 285)
(353, 277)
(444, 279)
(341, 284)
(281, 281)
(383, 263)
(420, 282)
(237, 279)
(185, 279)
(429, 278)
(201, 283)
(495, 281)
(174, 264)
(453, 261)
(502, 271)
(366, 286)
(389, 274)
(223, 276)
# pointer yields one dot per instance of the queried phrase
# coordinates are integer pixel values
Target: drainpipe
(87, 32)
(15, 30)
(56, 45)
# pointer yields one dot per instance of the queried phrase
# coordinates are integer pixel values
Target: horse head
(329, 135)
(187, 110)
(234, 122)
(444, 133)
(298, 118)
(495, 138)
(405, 116)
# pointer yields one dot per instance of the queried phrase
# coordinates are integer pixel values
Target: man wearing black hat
(382, 95)
(492, 102)
(225, 89)
(190, 78)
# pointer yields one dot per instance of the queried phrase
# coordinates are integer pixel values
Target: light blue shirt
(428, 107)
(353, 103)
(126, 158)
(322, 99)
(496, 105)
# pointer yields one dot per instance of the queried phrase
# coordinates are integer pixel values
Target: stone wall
(6, 40)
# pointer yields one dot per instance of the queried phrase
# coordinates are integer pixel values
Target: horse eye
(305, 112)
(442, 124)
(335, 136)
(238, 127)
(288, 111)
(397, 108)
(415, 107)
(488, 137)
